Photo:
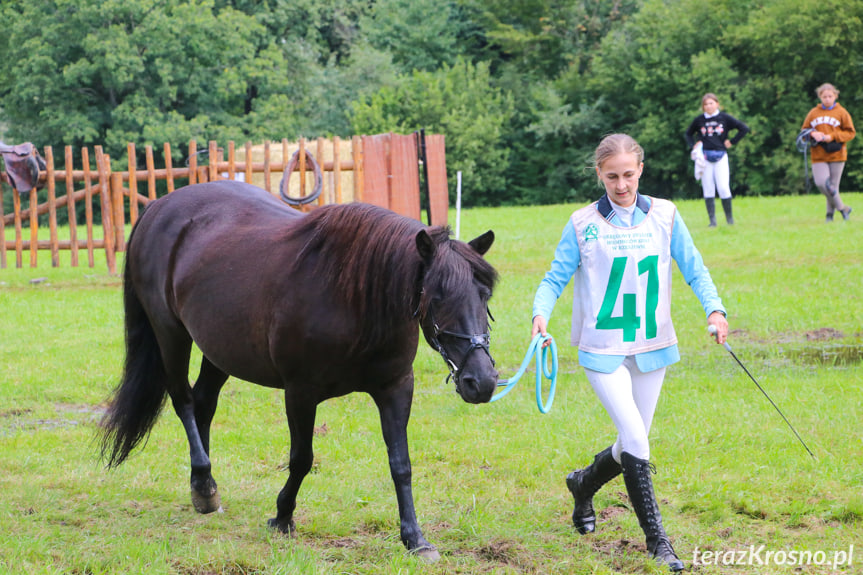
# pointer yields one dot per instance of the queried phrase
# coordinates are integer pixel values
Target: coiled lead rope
(536, 351)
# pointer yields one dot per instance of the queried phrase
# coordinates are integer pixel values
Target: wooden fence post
(34, 227)
(404, 177)
(151, 173)
(70, 206)
(2, 232)
(52, 207)
(267, 179)
(359, 168)
(193, 162)
(213, 163)
(169, 167)
(119, 212)
(133, 183)
(337, 169)
(103, 165)
(232, 161)
(375, 170)
(437, 180)
(88, 204)
(320, 159)
(19, 233)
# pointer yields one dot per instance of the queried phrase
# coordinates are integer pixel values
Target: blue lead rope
(542, 369)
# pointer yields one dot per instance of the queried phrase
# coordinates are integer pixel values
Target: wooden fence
(385, 170)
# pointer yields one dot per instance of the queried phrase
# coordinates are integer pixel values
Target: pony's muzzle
(477, 383)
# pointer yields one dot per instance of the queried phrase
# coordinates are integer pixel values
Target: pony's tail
(139, 397)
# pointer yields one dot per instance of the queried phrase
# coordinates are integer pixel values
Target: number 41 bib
(623, 288)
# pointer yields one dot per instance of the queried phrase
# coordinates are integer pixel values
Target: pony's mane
(368, 255)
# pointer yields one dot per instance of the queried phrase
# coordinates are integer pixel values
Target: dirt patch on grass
(820, 334)
(343, 543)
(619, 547)
(14, 413)
(500, 551)
(68, 415)
(825, 346)
(226, 569)
(610, 512)
(500, 554)
(823, 334)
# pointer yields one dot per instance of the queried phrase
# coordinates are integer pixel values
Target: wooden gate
(382, 170)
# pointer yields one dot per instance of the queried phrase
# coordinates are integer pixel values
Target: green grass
(488, 479)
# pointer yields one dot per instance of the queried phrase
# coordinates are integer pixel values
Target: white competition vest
(623, 289)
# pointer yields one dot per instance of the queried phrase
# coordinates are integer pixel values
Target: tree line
(522, 89)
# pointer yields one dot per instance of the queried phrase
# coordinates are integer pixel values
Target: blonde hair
(826, 86)
(709, 96)
(614, 144)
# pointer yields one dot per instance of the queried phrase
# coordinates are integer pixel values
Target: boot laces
(663, 549)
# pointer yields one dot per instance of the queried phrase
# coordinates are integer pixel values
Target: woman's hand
(717, 319)
(540, 325)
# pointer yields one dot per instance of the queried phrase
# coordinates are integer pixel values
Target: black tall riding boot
(636, 476)
(584, 483)
(711, 210)
(726, 205)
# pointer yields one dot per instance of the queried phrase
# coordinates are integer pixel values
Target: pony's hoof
(427, 554)
(207, 504)
(286, 527)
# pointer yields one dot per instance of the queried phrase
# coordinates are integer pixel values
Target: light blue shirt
(567, 259)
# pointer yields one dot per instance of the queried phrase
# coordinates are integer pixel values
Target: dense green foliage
(523, 90)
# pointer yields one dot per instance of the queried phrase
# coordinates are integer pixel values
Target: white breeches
(629, 396)
(716, 177)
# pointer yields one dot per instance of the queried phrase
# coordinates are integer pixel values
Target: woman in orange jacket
(832, 128)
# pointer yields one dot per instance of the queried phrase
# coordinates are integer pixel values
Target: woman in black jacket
(709, 131)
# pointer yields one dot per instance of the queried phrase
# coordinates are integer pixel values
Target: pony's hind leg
(301, 422)
(205, 394)
(176, 349)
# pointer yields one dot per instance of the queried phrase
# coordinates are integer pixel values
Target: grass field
(488, 479)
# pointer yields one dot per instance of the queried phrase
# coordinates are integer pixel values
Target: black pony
(319, 305)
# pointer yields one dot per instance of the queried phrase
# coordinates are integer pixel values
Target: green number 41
(629, 321)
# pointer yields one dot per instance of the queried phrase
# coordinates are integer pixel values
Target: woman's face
(828, 97)
(619, 175)
(710, 106)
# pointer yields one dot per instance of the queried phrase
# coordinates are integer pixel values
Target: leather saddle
(23, 164)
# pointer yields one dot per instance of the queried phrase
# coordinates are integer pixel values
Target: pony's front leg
(394, 405)
(301, 422)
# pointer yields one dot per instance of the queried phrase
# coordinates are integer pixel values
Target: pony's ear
(425, 246)
(481, 244)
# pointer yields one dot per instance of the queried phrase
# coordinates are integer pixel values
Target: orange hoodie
(836, 122)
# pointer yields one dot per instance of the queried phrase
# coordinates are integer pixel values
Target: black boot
(711, 210)
(726, 205)
(636, 475)
(584, 483)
